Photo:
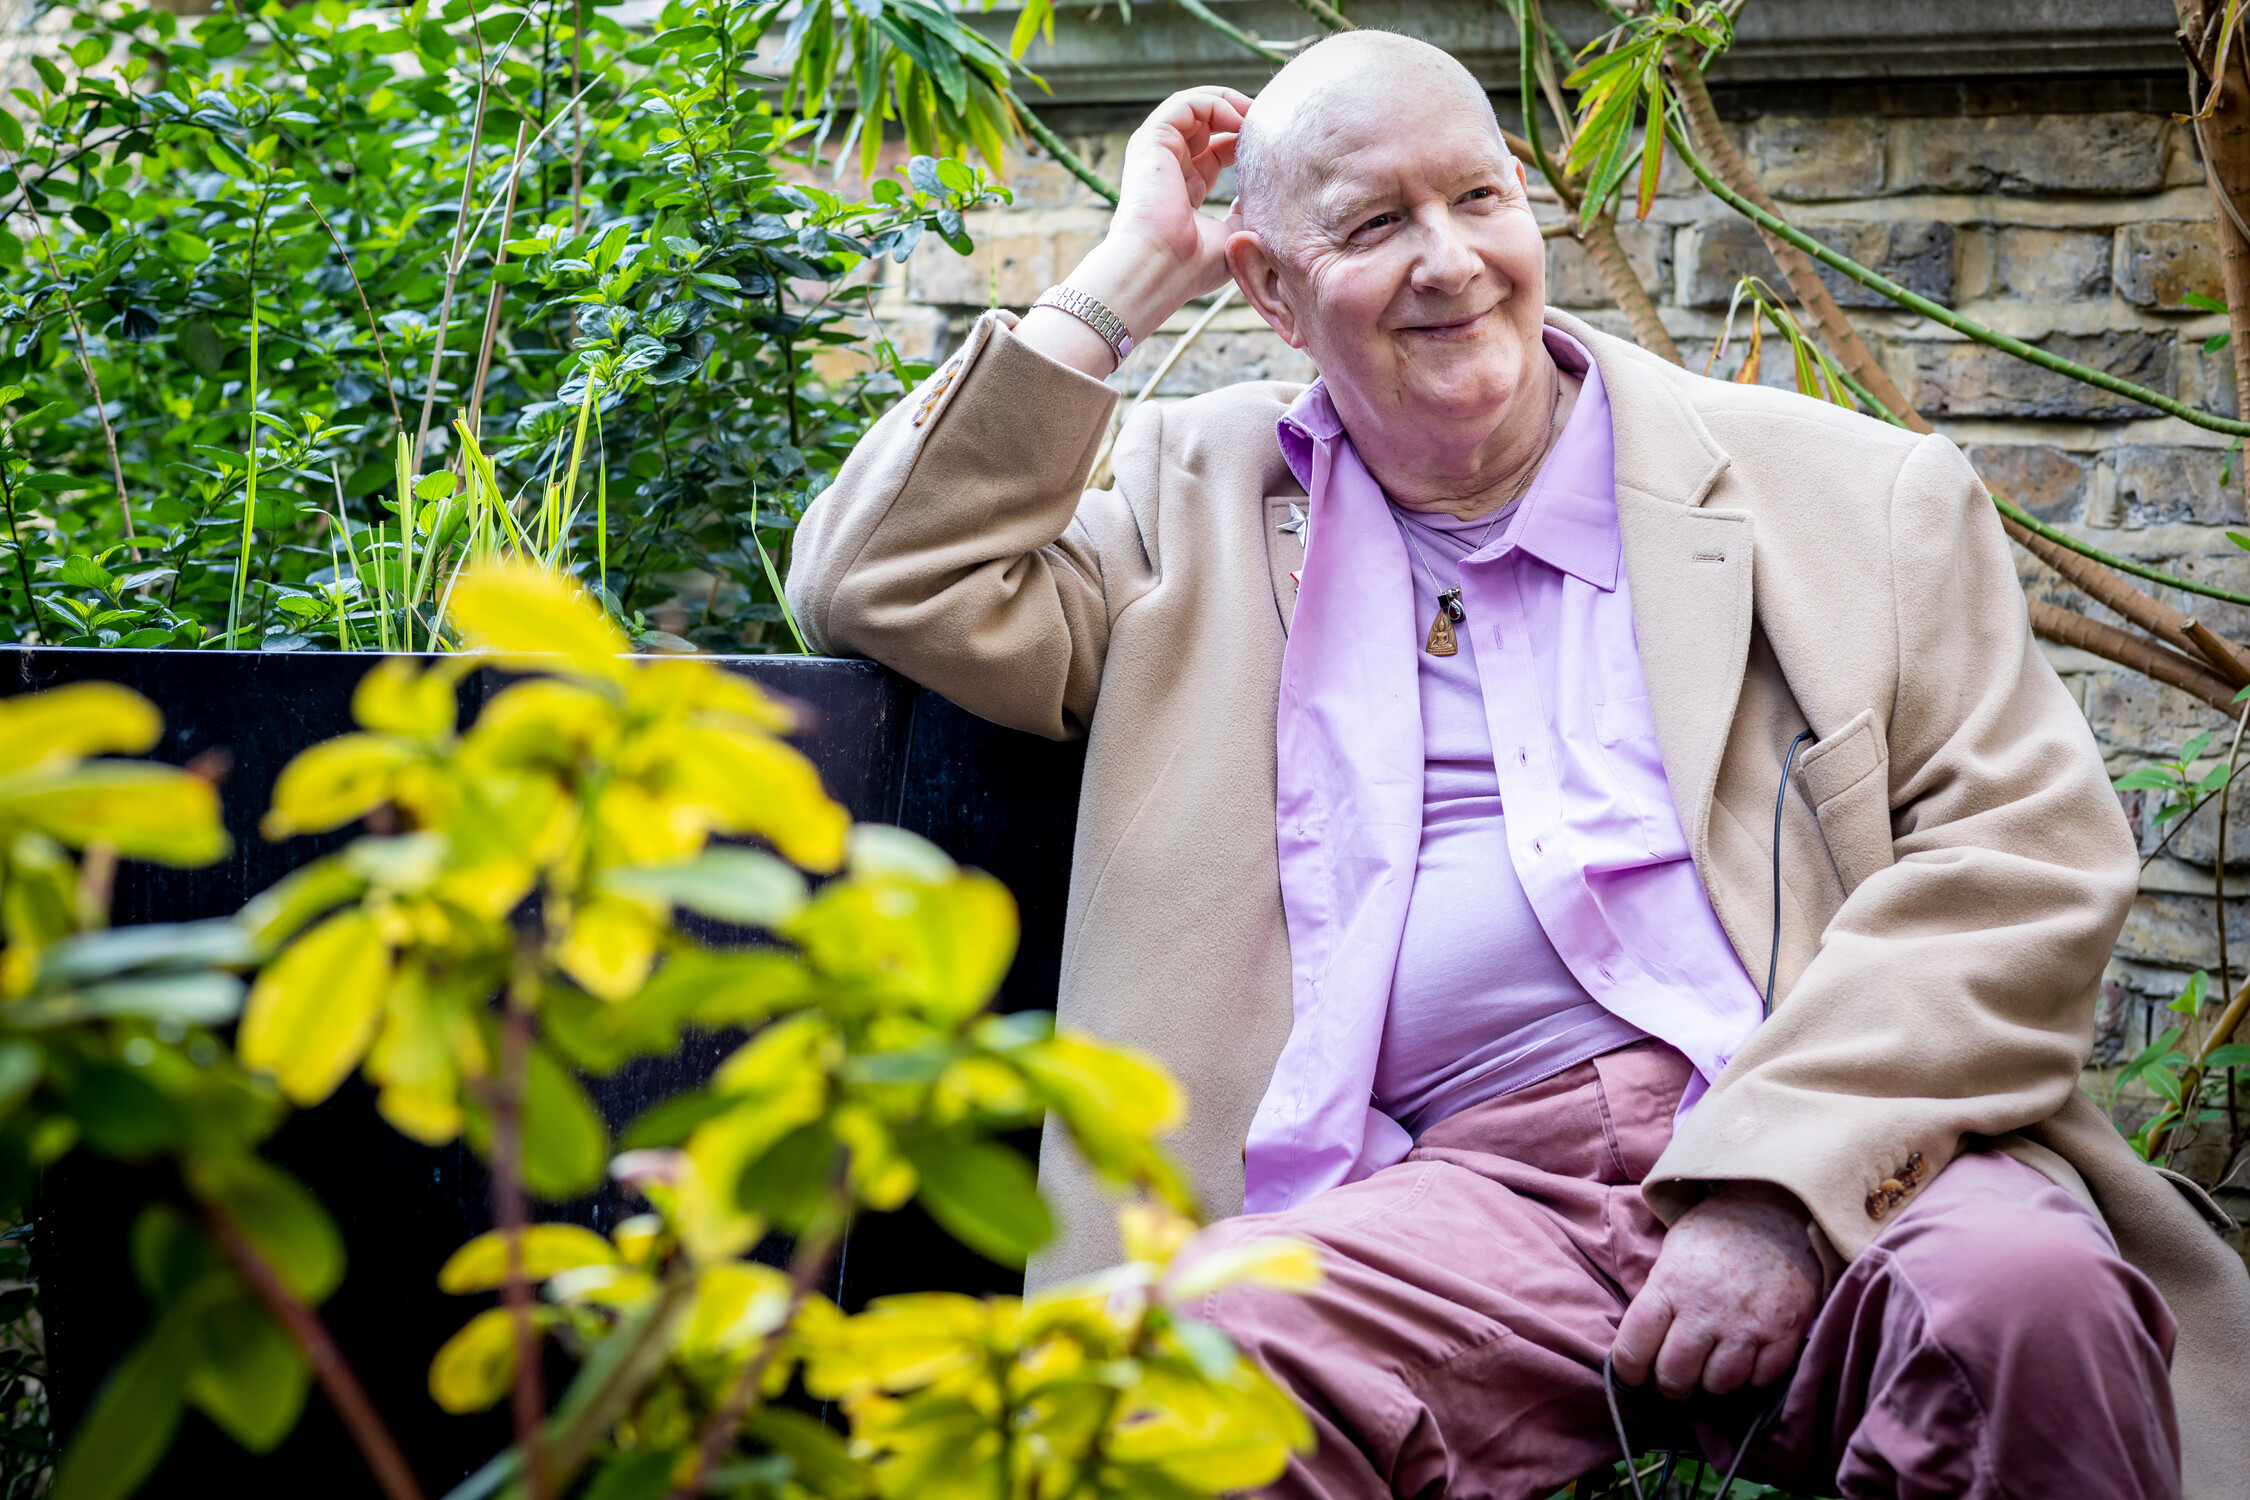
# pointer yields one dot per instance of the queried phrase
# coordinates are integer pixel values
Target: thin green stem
(1326, 14)
(240, 596)
(1938, 313)
(1230, 31)
(773, 581)
(1037, 128)
(15, 538)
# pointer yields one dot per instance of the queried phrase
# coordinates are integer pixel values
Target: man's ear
(1257, 271)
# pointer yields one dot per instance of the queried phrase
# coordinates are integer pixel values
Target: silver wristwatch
(1089, 311)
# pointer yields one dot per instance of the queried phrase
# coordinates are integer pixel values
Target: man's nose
(1447, 262)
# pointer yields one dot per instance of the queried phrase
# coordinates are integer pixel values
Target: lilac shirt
(1481, 1003)
(1590, 831)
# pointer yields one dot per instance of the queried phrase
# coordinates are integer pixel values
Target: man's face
(1407, 261)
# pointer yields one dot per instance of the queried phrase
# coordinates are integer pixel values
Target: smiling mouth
(1455, 328)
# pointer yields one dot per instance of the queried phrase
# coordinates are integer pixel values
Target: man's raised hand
(1162, 248)
(1171, 164)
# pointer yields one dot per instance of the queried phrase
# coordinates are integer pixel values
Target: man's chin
(1455, 395)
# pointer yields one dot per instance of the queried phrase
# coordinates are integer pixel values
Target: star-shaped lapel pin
(1295, 525)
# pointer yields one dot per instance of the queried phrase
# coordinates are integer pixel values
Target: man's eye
(1482, 192)
(1380, 221)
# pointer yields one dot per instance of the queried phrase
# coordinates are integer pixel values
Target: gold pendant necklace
(1441, 641)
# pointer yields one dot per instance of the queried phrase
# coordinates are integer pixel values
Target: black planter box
(997, 799)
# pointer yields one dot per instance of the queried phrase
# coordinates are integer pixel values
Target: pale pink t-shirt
(1481, 1003)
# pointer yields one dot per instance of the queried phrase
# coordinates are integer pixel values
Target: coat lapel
(1689, 566)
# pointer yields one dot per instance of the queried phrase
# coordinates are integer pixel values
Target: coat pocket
(1846, 778)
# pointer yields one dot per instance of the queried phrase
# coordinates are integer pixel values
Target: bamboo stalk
(2152, 615)
(1230, 31)
(499, 287)
(1053, 143)
(2110, 560)
(1599, 236)
(2066, 628)
(453, 262)
(1939, 313)
(1327, 15)
(2221, 119)
(1812, 293)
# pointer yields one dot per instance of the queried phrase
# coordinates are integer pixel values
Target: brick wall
(2068, 213)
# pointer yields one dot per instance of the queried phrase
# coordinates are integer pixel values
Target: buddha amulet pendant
(1441, 626)
(1441, 641)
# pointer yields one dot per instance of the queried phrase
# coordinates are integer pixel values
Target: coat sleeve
(1952, 996)
(958, 546)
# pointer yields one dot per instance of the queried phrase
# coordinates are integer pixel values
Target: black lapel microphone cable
(1611, 1385)
(1780, 798)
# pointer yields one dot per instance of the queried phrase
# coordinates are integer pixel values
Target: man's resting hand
(1162, 249)
(1735, 1287)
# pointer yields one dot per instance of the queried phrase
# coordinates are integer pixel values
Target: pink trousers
(1990, 1343)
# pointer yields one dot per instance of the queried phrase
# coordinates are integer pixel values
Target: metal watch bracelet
(1089, 311)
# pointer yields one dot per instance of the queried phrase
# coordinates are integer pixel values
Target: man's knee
(2010, 1263)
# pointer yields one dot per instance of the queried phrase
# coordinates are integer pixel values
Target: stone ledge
(1164, 49)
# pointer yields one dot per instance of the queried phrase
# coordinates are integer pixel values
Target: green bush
(314, 265)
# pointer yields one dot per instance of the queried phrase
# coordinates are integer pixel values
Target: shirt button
(1537, 847)
(1523, 756)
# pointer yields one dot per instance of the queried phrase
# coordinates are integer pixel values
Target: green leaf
(672, 1121)
(313, 1011)
(565, 1146)
(143, 811)
(188, 999)
(280, 1216)
(2164, 1081)
(133, 1416)
(249, 1378)
(99, 955)
(202, 349)
(2148, 778)
(548, 1249)
(2232, 1055)
(645, 1475)
(49, 74)
(123, 1114)
(742, 886)
(2149, 1054)
(2190, 999)
(283, 909)
(2202, 303)
(789, 1183)
(984, 1195)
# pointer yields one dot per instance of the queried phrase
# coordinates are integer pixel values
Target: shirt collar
(1569, 516)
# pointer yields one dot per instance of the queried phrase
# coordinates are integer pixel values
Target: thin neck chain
(1554, 406)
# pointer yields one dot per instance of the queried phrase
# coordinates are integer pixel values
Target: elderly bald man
(1434, 843)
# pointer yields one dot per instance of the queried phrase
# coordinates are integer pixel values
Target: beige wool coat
(1954, 864)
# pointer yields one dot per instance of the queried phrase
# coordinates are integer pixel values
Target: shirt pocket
(1625, 730)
